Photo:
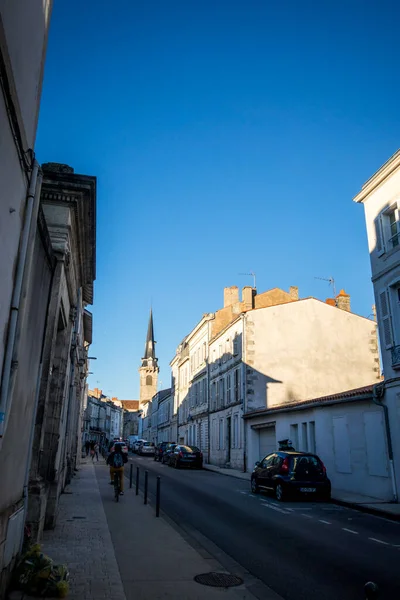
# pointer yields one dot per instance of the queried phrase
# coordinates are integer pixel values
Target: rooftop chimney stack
(231, 295)
(248, 294)
(343, 301)
(294, 292)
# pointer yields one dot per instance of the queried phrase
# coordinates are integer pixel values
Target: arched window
(149, 380)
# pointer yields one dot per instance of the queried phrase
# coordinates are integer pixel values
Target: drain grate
(223, 580)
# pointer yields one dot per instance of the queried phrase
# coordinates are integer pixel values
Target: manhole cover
(223, 580)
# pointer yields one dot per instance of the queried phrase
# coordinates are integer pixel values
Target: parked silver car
(146, 448)
(137, 445)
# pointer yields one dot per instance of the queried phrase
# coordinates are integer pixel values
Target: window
(149, 380)
(387, 230)
(237, 384)
(214, 359)
(228, 388)
(221, 435)
(213, 395)
(221, 392)
(236, 346)
(227, 348)
(235, 440)
(386, 319)
(393, 228)
(204, 351)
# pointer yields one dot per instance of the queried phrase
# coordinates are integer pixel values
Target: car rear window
(307, 462)
(147, 444)
(190, 449)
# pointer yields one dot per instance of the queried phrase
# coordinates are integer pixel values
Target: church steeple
(149, 369)
(149, 357)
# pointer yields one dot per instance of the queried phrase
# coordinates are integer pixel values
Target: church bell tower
(149, 369)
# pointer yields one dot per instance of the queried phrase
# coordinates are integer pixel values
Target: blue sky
(227, 136)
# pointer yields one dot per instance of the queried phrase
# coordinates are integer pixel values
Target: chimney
(294, 292)
(231, 295)
(330, 301)
(248, 294)
(343, 301)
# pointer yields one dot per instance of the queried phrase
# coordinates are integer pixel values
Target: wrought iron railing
(396, 357)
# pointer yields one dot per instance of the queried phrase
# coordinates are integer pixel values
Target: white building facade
(380, 196)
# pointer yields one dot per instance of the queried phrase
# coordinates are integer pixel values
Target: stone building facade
(260, 352)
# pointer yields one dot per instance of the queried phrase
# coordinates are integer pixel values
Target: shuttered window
(379, 246)
(386, 319)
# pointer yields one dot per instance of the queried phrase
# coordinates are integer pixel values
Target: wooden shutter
(380, 241)
(386, 318)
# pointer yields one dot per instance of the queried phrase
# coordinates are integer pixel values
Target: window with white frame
(387, 229)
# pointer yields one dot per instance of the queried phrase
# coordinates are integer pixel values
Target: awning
(264, 425)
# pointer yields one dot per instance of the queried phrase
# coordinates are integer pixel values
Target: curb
(354, 505)
(367, 509)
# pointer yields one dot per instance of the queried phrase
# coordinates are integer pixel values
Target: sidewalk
(123, 552)
(366, 504)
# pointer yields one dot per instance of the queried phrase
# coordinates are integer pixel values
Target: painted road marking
(326, 522)
(379, 541)
(308, 516)
(350, 530)
(271, 506)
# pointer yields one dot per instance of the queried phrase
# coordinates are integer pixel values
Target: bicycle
(117, 487)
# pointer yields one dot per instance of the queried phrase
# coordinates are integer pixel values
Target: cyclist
(116, 460)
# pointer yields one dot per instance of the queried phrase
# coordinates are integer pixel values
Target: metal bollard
(146, 485)
(158, 494)
(137, 481)
(131, 476)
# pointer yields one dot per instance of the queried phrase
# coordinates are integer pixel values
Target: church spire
(149, 358)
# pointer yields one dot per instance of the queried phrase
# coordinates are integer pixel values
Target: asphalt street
(302, 550)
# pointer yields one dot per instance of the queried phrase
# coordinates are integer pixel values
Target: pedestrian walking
(87, 447)
(96, 452)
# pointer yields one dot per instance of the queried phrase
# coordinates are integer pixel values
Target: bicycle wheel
(116, 487)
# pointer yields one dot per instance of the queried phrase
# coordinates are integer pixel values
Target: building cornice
(386, 170)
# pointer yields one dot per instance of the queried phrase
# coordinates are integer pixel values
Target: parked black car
(189, 456)
(160, 449)
(167, 453)
(291, 474)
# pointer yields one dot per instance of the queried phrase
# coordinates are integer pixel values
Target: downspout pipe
(244, 389)
(378, 392)
(11, 351)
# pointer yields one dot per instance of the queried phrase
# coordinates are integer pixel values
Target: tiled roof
(130, 404)
(347, 395)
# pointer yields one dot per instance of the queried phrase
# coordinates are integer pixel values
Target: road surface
(302, 550)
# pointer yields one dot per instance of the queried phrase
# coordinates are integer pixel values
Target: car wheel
(254, 487)
(279, 492)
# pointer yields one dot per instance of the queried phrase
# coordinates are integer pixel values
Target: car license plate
(306, 490)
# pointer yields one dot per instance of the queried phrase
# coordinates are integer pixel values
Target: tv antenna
(331, 282)
(253, 275)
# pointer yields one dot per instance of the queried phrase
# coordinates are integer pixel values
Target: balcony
(396, 357)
